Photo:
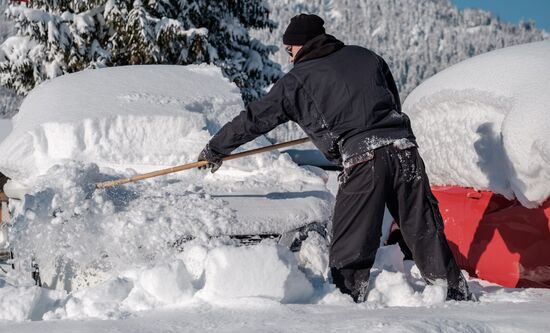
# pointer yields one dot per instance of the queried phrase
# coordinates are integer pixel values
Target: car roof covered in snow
(484, 123)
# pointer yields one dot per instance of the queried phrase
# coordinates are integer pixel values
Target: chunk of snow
(194, 257)
(170, 283)
(257, 271)
(313, 255)
(389, 258)
(484, 123)
(103, 301)
(392, 289)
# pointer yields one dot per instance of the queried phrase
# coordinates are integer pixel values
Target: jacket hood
(318, 47)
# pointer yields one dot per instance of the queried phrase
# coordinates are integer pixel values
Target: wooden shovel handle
(193, 165)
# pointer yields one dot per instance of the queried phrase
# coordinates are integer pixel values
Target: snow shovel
(182, 167)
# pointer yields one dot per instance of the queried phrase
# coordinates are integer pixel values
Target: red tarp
(496, 239)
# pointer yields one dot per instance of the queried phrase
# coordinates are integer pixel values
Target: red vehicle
(496, 239)
(493, 238)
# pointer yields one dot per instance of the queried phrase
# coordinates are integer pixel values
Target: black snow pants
(397, 179)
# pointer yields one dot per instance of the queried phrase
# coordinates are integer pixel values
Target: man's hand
(214, 162)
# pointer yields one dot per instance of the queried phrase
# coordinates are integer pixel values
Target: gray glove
(214, 160)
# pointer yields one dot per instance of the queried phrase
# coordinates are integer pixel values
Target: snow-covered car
(483, 129)
(97, 125)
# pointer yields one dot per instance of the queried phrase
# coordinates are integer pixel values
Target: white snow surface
(484, 123)
(152, 256)
(259, 271)
(167, 297)
(213, 285)
(141, 117)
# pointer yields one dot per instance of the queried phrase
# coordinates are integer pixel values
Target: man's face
(292, 50)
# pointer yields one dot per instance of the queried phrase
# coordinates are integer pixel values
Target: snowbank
(484, 123)
(231, 286)
(135, 290)
(141, 117)
(19, 302)
(226, 276)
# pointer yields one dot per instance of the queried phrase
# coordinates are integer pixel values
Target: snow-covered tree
(9, 100)
(418, 38)
(55, 37)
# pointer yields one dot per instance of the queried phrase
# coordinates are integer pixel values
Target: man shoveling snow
(345, 99)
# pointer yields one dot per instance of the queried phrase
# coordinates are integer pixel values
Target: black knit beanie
(302, 28)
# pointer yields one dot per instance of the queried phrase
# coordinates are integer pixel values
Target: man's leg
(416, 209)
(356, 227)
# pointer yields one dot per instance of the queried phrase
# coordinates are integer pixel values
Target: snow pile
(93, 235)
(138, 289)
(105, 301)
(484, 123)
(392, 289)
(265, 271)
(219, 275)
(133, 291)
(20, 302)
(141, 117)
(394, 285)
(224, 286)
(259, 271)
(17, 303)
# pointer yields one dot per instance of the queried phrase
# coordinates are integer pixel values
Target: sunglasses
(288, 50)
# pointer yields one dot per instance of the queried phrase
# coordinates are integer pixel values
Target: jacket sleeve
(391, 83)
(259, 118)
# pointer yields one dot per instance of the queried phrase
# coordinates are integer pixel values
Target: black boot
(460, 292)
(352, 281)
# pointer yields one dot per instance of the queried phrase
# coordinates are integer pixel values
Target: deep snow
(135, 119)
(141, 117)
(140, 257)
(167, 297)
(484, 123)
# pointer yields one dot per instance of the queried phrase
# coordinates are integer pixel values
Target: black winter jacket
(343, 97)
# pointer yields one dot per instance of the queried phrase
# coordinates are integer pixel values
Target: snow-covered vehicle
(97, 125)
(484, 132)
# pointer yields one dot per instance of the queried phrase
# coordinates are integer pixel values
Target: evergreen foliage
(9, 100)
(55, 37)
